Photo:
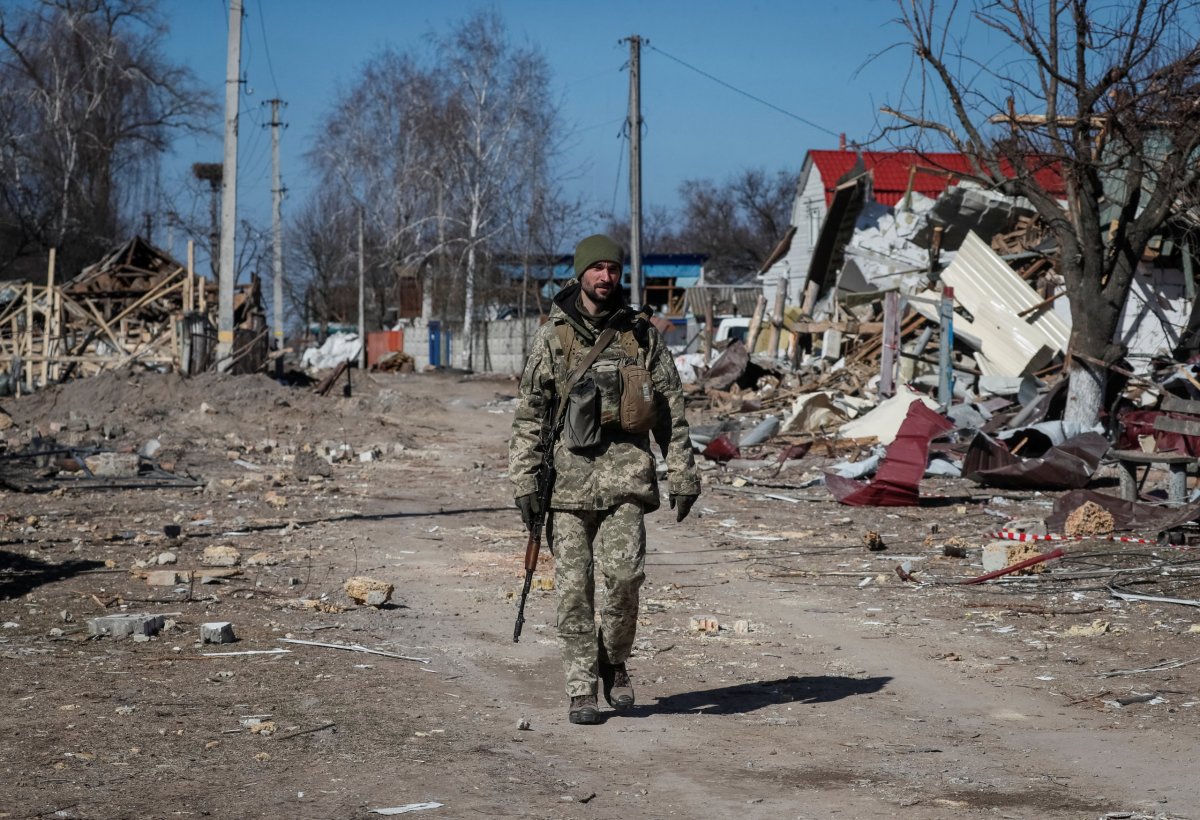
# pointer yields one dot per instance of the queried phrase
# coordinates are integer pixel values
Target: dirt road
(832, 688)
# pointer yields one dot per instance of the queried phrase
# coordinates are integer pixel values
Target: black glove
(530, 508)
(682, 505)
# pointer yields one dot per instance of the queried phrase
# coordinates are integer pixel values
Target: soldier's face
(601, 281)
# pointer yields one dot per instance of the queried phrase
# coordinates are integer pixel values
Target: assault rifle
(545, 489)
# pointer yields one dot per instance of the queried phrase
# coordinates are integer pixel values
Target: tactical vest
(616, 392)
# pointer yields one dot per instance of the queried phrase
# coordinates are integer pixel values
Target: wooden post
(189, 293)
(777, 316)
(47, 322)
(760, 307)
(28, 345)
(706, 341)
(810, 298)
(891, 344)
(946, 350)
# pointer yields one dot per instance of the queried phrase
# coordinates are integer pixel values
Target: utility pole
(362, 298)
(635, 170)
(277, 232)
(228, 272)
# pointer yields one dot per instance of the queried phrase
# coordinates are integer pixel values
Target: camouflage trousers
(613, 541)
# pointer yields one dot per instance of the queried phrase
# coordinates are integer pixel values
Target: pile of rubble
(137, 305)
(931, 339)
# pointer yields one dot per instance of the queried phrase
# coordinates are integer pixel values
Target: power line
(620, 161)
(267, 48)
(734, 88)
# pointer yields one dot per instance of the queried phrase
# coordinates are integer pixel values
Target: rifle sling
(601, 342)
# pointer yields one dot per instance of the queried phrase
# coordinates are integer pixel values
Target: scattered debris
(900, 472)
(217, 632)
(355, 648)
(368, 591)
(406, 809)
(1095, 628)
(220, 556)
(1089, 519)
(119, 626)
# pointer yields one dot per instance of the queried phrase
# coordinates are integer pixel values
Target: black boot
(618, 688)
(583, 710)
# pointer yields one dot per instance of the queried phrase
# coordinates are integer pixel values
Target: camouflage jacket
(622, 467)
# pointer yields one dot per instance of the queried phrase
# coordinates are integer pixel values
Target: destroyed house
(135, 307)
(836, 186)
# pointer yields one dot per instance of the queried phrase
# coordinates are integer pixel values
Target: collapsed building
(135, 307)
(913, 323)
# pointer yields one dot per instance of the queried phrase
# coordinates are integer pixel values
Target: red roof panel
(935, 172)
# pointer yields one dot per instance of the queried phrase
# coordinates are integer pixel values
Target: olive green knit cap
(596, 248)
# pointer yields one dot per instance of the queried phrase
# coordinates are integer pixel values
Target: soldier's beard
(602, 303)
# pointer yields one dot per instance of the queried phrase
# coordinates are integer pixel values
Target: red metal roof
(935, 171)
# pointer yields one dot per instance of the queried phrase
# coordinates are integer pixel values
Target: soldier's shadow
(747, 697)
(21, 574)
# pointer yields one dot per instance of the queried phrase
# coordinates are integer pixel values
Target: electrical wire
(267, 49)
(623, 137)
(737, 90)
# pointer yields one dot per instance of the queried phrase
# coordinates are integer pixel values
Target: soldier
(609, 370)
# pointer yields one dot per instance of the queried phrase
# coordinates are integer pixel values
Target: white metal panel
(994, 295)
(1156, 312)
(808, 211)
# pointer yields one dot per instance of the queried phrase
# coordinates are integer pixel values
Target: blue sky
(808, 58)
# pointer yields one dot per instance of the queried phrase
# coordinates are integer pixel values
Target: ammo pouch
(638, 410)
(581, 427)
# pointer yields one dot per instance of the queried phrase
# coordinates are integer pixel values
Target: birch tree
(499, 96)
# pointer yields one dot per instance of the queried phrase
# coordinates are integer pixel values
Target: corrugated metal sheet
(994, 295)
(739, 299)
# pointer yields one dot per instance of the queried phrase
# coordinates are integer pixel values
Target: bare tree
(735, 224)
(659, 231)
(448, 157)
(380, 145)
(88, 104)
(321, 282)
(1107, 96)
(500, 98)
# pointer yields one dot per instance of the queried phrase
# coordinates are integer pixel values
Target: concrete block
(119, 626)
(217, 632)
(995, 556)
(162, 578)
(220, 556)
(113, 465)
